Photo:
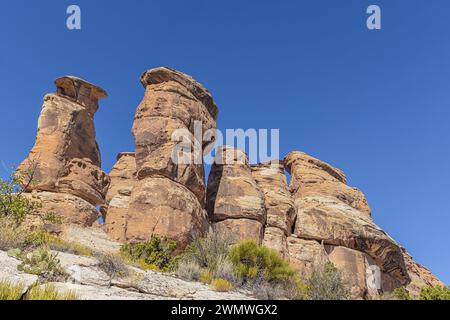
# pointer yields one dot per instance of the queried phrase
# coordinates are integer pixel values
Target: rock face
(235, 204)
(420, 276)
(65, 157)
(123, 179)
(337, 215)
(169, 194)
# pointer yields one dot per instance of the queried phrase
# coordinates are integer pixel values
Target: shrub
(12, 235)
(52, 217)
(156, 251)
(112, 265)
(12, 202)
(40, 238)
(435, 293)
(208, 252)
(9, 291)
(49, 292)
(43, 263)
(188, 270)
(206, 276)
(327, 284)
(401, 294)
(221, 285)
(253, 261)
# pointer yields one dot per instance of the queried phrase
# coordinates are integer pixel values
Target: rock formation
(235, 204)
(159, 190)
(336, 215)
(65, 159)
(169, 195)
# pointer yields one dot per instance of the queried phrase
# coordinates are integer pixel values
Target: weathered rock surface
(337, 219)
(235, 201)
(123, 179)
(160, 206)
(72, 209)
(169, 196)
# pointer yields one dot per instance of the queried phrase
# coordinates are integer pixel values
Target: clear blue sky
(374, 103)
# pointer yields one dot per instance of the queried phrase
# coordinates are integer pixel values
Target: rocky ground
(90, 282)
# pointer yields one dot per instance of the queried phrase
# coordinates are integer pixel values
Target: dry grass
(10, 291)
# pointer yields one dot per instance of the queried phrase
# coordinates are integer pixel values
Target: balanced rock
(234, 201)
(329, 211)
(65, 158)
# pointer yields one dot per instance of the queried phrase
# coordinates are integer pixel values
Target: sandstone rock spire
(168, 196)
(67, 172)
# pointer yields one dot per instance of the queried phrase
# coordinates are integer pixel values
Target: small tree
(435, 293)
(327, 284)
(13, 204)
(401, 294)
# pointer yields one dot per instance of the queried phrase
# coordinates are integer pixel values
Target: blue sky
(374, 103)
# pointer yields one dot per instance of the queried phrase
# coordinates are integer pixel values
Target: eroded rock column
(169, 196)
(123, 179)
(235, 203)
(65, 156)
(279, 205)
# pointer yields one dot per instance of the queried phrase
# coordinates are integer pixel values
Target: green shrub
(156, 251)
(253, 261)
(327, 284)
(221, 285)
(9, 291)
(49, 292)
(12, 202)
(43, 263)
(401, 294)
(435, 293)
(51, 217)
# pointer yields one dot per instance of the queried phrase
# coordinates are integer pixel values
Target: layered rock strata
(65, 159)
